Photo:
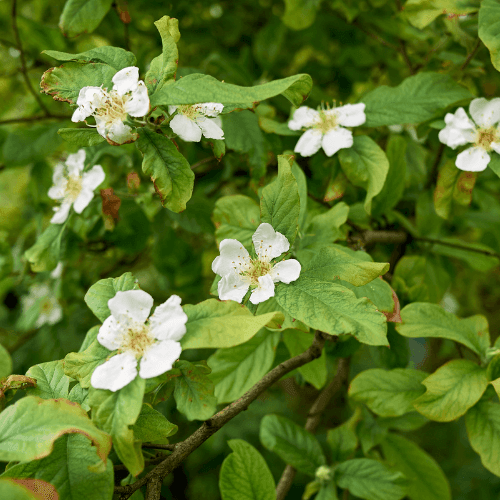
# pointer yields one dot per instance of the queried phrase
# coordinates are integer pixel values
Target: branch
(212, 425)
(313, 420)
(471, 55)
(35, 119)
(202, 162)
(24, 68)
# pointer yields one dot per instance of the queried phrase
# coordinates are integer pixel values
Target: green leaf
(5, 362)
(328, 491)
(213, 324)
(333, 309)
(427, 480)
(292, 443)
(300, 14)
(12, 490)
(99, 294)
(421, 319)
(371, 480)
(488, 29)
(29, 428)
(394, 185)
(236, 217)
(388, 393)
(115, 57)
(420, 13)
(152, 426)
(330, 265)
(236, 369)
(343, 441)
(417, 99)
(377, 291)
(194, 391)
(301, 179)
(82, 16)
(73, 468)
(366, 166)
(244, 474)
(83, 137)
(483, 428)
(196, 88)
(324, 229)
(452, 390)
(81, 365)
(116, 413)
(51, 382)
(164, 67)
(314, 372)
(168, 169)
(65, 82)
(280, 203)
(445, 186)
(243, 134)
(44, 254)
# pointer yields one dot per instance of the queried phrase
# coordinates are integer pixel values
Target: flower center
(326, 122)
(73, 188)
(137, 339)
(189, 111)
(113, 107)
(485, 136)
(256, 268)
(46, 306)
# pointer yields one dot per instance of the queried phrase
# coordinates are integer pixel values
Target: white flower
(129, 96)
(484, 133)
(191, 122)
(72, 187)
(153, 343)
(49, 309)
(323, 474)
(324, 128)
(239, 271)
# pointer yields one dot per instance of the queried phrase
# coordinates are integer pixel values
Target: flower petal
(269, 243)
(303, 117)
(286, 271)
(264, 291)
(232, 287)
(111, 334)
(56, 314)
(210, 108)
(115, 373)
(210, 127)
(233, 258)
(126, 80)
(159, 358)
(485, 113)
(496, 147)
(351, 115)
(76, 163)
(82, 201)
(185, 128)
(135, 304)
(93, 177)
(309, 142)
(138, 104)
(168, 322)
(473, 160)
(61, 213)
(118, 132)
(335, 139)
(459, 129)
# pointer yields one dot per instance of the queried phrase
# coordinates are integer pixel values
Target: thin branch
(471, 55)
(490, 253)
(433, 175)
(170, 447)
(376, 37)
(313, 419)
(29, 119)
(202, 162)
(406, 59)
(212, 425)
(24, 68)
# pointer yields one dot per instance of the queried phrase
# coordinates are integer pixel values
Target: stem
(212, 425)
(201, 162)
(24, 69)
(435, 167)
(471, 55)
(313, 419)
(35, 119)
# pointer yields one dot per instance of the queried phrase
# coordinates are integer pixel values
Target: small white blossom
(191, 121)
(323, 474)
(152, 343)
(482, 131)
(110, 108)
(49, 309)
(240, 272)
(72, 186)
(325, 128)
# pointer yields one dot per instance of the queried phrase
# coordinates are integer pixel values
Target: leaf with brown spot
(110, 203)
(42, 489)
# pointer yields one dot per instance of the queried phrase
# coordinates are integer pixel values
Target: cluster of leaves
(396, 247)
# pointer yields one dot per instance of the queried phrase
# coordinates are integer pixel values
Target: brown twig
(313, 419)
(24, 68)
(471, 55)
(202, 162)
(211, 426)
(35, 119)
(404, 53)
(170, 447)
